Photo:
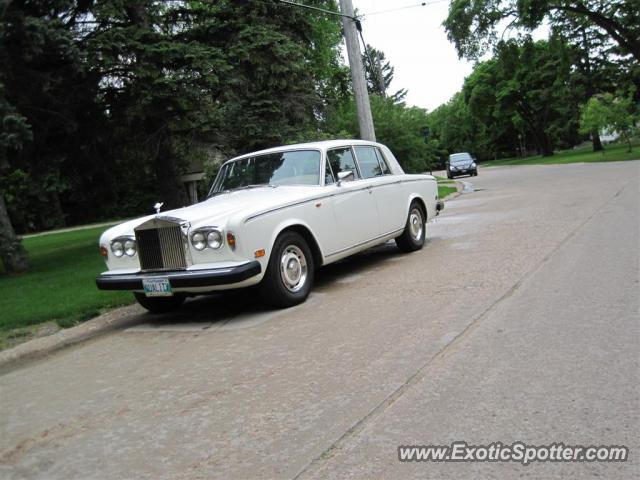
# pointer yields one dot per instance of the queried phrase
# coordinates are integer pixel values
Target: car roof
(322, 145)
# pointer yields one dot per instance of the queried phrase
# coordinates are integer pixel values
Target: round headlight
(117, 248)
(473, 164)
(214, 239)
(130, 248)
(198, 241)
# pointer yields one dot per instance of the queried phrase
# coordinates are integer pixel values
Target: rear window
(368, 162)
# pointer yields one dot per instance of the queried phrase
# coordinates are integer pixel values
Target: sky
(415, 43)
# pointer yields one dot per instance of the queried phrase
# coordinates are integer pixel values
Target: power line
(421, 4)
(317, 9)
(375, 70)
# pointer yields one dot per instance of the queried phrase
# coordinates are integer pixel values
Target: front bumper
(439, 207)
(463, 171)
(183, 278)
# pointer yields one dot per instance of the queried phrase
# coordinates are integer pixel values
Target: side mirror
(344, 175)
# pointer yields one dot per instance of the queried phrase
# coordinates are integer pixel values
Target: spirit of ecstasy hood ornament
(157, 207)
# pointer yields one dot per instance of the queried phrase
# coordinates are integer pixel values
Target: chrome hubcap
(293, 268)
(416, 224)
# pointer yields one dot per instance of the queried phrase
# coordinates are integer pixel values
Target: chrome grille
(161, 248)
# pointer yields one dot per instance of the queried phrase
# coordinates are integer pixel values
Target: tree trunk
(595, 138)
(547, 147)
(12, 253)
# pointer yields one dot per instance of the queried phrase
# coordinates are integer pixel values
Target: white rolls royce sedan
(271, 219)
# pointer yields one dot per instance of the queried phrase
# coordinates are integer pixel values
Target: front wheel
(290, 272)
(414, 233)
(160, 304)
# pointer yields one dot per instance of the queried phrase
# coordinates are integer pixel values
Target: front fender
(297, 223)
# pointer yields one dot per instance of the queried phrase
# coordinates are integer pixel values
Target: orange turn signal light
(231, 240)
(103, 251)
(260, 253)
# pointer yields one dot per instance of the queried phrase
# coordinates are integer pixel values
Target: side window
(342, 160)
(368, 162)
(383, 163)
(328, 174)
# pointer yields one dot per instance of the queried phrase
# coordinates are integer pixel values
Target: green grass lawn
(60, 285)
(444, 181)
(444, 190)
(612, 153)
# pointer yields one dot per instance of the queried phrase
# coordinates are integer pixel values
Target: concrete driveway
(519, 320)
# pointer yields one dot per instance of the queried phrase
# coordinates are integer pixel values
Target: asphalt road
(519, 320)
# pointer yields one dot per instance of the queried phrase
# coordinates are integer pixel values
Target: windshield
(460, 158)
(300, 167)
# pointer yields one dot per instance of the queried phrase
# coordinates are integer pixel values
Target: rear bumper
(439, 206)
(183, 278)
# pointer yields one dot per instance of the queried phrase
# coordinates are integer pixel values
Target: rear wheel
(160, 304)
(414, 234)
(290, 272)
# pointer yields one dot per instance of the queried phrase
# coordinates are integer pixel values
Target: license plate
(157, 287)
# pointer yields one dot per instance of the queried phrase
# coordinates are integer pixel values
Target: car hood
(215, 211)
(246, 202)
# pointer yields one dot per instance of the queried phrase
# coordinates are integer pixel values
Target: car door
(387, 190)
(354, 205)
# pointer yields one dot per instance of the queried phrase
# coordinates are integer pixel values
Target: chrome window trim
(355, 162)
(329, 195)
(383, 159)
(378, 155)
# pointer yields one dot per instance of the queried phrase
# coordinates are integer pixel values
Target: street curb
(455, 194)
(40, 347)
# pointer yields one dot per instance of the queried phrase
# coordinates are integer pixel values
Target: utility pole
(363, 108)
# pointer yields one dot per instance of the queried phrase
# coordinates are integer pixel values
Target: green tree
(607, 112)
(526, 85)
(121, 97)
(379, 74)
(14, 132)
(397, 126)
(598, 64)
(473, 24)
(46, 82)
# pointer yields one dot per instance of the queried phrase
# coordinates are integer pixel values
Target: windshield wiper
(247, 187)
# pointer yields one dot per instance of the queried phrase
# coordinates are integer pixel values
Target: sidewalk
(71, 229)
